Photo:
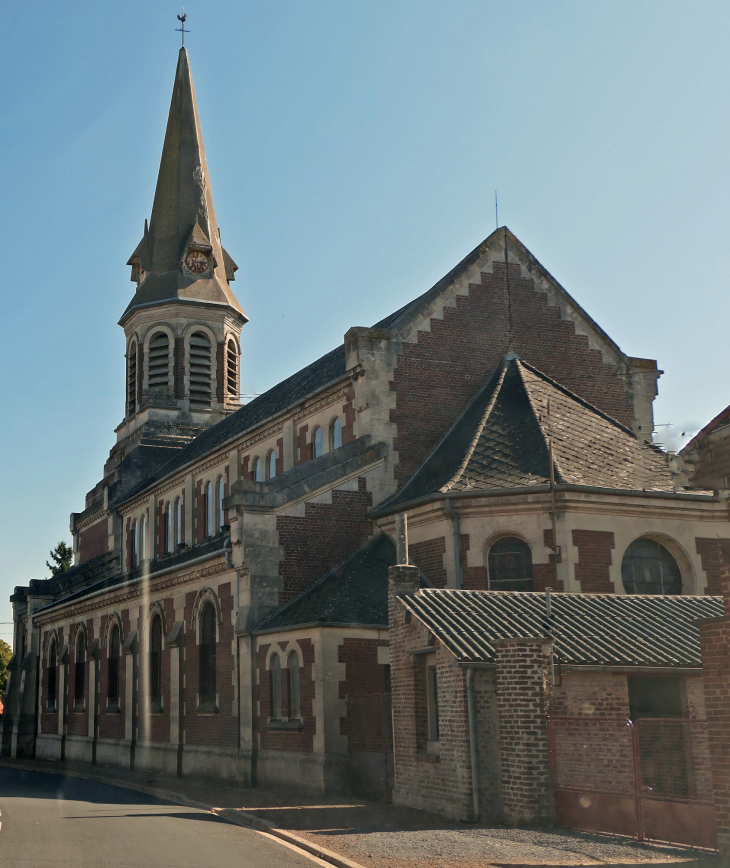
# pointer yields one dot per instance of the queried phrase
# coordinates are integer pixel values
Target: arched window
(275, 673)
(317, 442)
(159, 363)
(80, 673)
(294, 695)
(142, 541)
(232, 369)
(156, 660)
(649, 568)
(113, 649)
(335, 433)
(178, 521)
(169, 531)
(207, 683)
(134, 545)
(52, 675)
(208, 506)
(257, 471)
(132, 379)
(510, 565)
(200, 372)
(271, 464)
(220, 496)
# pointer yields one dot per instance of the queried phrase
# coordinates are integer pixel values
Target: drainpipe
(473, 742)
(454, 516)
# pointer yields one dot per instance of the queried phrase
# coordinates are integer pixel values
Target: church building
(227, 611)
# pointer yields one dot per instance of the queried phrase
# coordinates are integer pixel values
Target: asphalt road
(48, 821)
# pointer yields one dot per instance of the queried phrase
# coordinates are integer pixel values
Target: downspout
(454, 516)
(473, 742)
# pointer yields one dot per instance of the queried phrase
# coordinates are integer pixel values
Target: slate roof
(589, 629)
(502, 441)
(355, 592)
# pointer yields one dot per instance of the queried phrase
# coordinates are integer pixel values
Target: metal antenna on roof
(181, 29)
(511, 347)
(496, 209)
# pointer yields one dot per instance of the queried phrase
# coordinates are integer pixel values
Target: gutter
(454, 516)
(536, 489)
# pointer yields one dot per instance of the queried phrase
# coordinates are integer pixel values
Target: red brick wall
(216, 729)
(523, 695)
(77, 722)
(714, 553)
(348, 423)
(428, 556)
(287, 740)
(364, 676)
(93, 541)
(591, 694)
(323, 538)
(305, 449)
(437, 376)
(594, 559)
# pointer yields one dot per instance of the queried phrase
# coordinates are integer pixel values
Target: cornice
(320, 404)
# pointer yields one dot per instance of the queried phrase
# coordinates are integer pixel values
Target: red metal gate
(650, 780)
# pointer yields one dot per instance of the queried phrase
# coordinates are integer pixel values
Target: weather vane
(181, 29)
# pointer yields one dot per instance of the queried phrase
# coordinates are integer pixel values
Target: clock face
(196, 261)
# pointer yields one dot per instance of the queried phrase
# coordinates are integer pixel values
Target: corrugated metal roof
(589, 629)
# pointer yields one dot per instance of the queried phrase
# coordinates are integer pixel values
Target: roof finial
(181, 29)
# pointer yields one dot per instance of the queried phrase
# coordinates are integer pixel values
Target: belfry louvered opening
(132, 379)
(159, 362)
(201, 390)
(232, 369)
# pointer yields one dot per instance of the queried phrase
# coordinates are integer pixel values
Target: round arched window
(510, 565)
(649, 568)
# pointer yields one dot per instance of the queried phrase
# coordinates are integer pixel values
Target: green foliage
(62, 557)
(6, 652)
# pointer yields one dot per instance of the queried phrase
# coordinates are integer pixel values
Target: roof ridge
(480, 428)
(546, 440)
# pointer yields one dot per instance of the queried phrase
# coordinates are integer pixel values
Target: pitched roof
(355, 592)
(502, 441)
(590, 629)
(722, 419)
(182, 211)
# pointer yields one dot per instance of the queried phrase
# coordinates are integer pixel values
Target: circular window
(510, 565)
(649, 568)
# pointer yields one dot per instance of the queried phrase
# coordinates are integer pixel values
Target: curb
(249, 821)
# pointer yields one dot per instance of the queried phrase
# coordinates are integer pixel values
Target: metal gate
(650, 780)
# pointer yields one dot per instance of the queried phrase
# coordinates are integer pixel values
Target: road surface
(49, 821)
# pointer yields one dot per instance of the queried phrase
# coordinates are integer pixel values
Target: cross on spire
(181, 29)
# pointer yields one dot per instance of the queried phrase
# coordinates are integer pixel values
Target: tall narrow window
(317, 442)
(132, 379)
(178, 520)
(156, 660)
(142, 540)
(52, 674)
(220, 497)
(232, 369)
(335, 433)
(275, 687)
(168, 528)
(510, 565)
(208, 505)
(207, 686)
(80, 674)
(257, 472)
(134, 545)
(200, 372)
(159, 363)
(271, 464)
(113, 667)
(295, 709)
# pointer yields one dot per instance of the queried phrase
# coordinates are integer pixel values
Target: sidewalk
(351, 833)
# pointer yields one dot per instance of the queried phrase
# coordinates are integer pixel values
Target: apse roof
(589, 629)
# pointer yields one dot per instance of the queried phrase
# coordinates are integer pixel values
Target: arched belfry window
(132, 379)
(201, 369)
(207, 683)
(650, 568)
(232, 369)
(80, 673)
(52, 675)
(510, 565)
(113, 650)
(155, 660)
(335, 433)
(159, 363)
(317, 442)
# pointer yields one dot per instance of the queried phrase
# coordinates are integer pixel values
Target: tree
(62, 557)
(6, 652)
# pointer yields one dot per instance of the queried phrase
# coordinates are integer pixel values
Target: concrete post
(130, 698)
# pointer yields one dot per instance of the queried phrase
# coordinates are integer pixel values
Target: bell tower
(183, 324)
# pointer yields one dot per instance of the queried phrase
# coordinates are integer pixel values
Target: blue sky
(354, 149)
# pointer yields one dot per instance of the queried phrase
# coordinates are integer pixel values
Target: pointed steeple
(181, 258)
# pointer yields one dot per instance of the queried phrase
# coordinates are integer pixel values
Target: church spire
(180, 257)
